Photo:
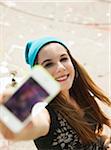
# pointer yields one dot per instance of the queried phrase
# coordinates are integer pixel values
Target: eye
(64, 59)
(48, 65)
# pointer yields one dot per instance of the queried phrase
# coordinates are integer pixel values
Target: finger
(6, 132)
(5, 96)
(29, 126)
(1, 99)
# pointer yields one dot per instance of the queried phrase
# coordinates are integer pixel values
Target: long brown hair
(84, 91)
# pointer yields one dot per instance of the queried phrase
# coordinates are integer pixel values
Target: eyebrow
(47, 60)
(63, 55)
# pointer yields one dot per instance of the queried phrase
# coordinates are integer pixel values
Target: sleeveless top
(61, 136)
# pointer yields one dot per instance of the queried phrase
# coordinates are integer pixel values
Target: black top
(62, 137)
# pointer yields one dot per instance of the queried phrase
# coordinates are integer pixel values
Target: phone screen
(21, 103)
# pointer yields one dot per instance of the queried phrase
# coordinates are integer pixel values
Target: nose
(60, 67)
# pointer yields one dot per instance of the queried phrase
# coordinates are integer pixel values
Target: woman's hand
(7, 133)
(34, 129)
(38, 126)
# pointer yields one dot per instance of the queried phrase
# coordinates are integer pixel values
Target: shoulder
(45, 117)
(45, 141)
(46, 121)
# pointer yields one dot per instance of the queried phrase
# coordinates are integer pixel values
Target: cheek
(72, 76)
(52, 71)
(71, 70)
(73, 73)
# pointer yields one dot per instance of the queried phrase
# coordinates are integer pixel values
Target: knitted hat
(33, 48)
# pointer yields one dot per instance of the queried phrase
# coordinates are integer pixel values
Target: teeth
(62, 78)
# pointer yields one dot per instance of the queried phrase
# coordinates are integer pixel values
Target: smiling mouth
(62, 78)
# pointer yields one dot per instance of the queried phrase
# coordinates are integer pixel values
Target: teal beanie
(33, 47)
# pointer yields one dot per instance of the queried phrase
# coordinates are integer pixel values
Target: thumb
(37, 109)
(5, 95)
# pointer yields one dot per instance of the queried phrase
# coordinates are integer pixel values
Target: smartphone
(38, 87)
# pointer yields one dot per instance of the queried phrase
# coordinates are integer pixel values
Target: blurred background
(84, 25)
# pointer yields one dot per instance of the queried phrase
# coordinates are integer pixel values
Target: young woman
(73, 120)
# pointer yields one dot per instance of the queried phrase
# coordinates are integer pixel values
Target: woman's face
(55, 59)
